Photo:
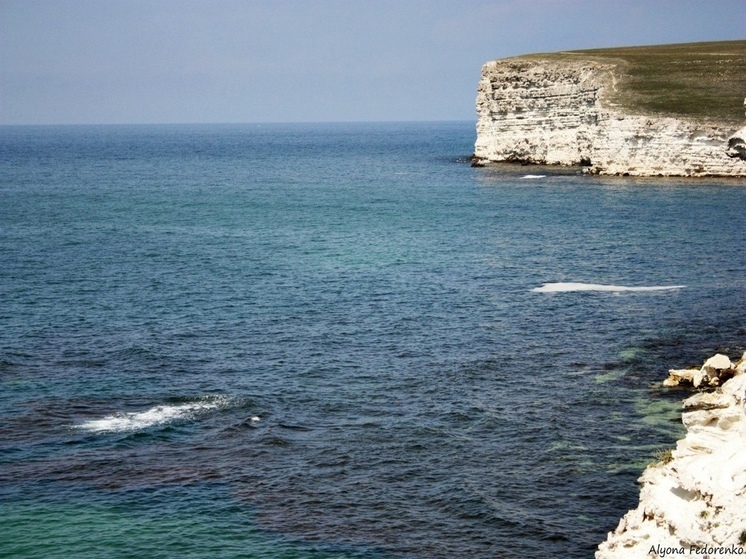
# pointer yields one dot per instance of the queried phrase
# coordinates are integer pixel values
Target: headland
(670, 110)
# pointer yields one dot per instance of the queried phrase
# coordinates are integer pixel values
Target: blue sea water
(340, 341)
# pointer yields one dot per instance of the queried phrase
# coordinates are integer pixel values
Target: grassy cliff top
(704, 81)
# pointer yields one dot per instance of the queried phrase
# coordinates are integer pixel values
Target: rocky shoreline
(693, 501)
(558, 112)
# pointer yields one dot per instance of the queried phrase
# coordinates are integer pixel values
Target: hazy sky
(167, 61)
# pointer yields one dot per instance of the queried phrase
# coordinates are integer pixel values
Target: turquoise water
(325, 341)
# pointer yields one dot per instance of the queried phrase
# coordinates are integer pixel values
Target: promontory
(669, 110)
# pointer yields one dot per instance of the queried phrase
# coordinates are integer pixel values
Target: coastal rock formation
(693, 502)
(714, 372)
(558, 112)
(737, 144)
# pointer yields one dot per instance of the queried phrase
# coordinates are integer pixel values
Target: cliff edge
(693, 502)
(675, 110)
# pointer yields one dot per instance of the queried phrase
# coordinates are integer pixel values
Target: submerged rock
(694, 501)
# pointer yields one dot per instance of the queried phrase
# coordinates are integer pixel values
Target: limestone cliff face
(557, 112)
(694, 503)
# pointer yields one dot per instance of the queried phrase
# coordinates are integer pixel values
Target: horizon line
(242, 123)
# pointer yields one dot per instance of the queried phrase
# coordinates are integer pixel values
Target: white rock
(698, 499)
(680, 376)
(699, 377)
(718, 361)
(715, 369)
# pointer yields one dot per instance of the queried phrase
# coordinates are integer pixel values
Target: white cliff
(558, 112)
(693, 503)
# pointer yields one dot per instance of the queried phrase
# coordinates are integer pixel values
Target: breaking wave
(157, 415)
(566, 287)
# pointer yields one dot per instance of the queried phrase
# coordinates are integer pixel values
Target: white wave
(565, 287)
(158, 415)
(533, 176)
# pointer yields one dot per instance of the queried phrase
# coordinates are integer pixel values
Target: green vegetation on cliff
(704, 81)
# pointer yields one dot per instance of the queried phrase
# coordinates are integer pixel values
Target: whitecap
(158, 415)
(533, 176)
(567, 287)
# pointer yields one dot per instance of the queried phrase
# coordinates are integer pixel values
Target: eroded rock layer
(557, 112)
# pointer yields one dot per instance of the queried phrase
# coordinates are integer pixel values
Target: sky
(226, 61)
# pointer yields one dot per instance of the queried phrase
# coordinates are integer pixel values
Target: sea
(340, 341)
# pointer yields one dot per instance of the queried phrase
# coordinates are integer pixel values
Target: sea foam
(158, 415)
(566, 287)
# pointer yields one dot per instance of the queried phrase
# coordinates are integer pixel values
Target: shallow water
(338, 341)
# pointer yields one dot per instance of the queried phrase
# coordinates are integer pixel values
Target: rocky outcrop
(716, 370)
(558, 112)
(737, 144)
(693, 502)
